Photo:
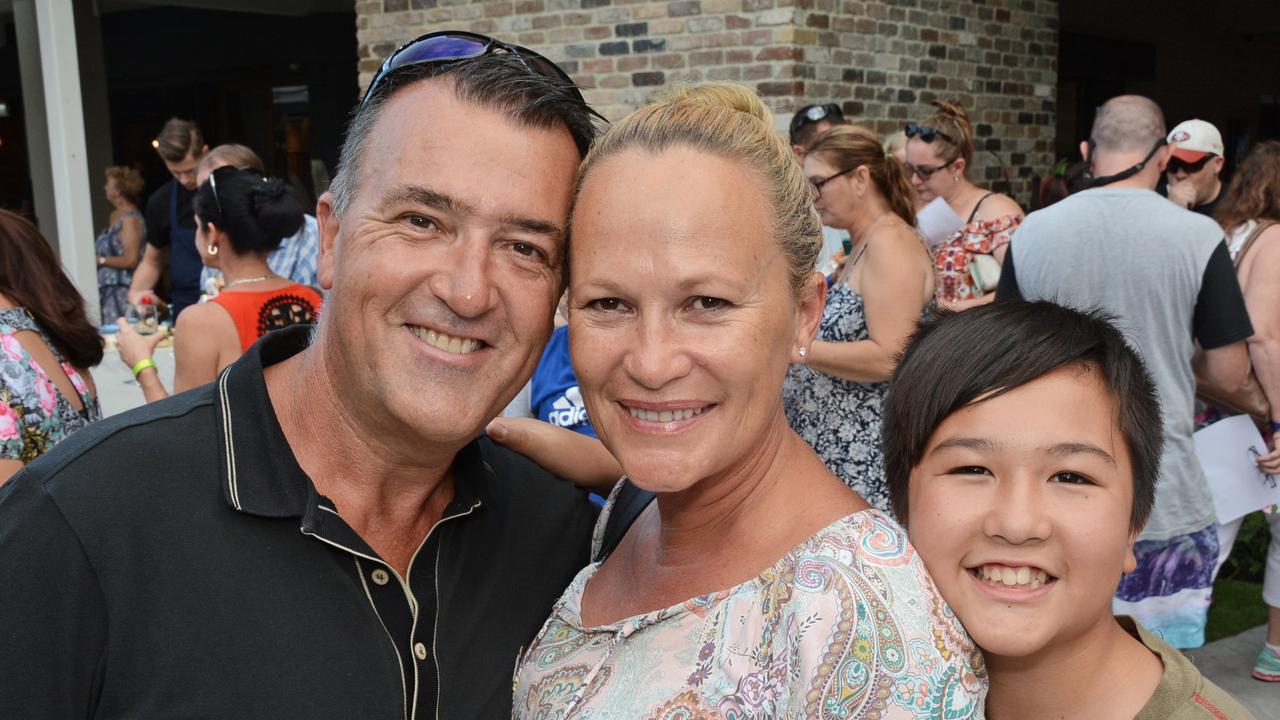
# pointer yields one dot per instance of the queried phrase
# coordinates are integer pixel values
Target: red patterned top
(952, 257)
(257, 313)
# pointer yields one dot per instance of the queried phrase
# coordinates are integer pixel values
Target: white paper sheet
(938, 222)
(1228, 450)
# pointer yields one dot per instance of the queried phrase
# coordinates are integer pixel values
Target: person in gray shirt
(1166, 277)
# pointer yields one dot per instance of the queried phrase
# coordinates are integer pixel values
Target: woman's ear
(809, 306)
(960, 164)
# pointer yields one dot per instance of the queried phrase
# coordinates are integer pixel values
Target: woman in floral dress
(46, 345)
(756, 584)
(833, 398)
(119, 247)
(940, 151)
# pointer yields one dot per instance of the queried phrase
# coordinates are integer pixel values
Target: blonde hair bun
(726, 95)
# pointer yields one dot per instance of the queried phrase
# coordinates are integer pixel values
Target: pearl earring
(803, 352)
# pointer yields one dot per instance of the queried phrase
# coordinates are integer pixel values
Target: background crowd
(859, 243)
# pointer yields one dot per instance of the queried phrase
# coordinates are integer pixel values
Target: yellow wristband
(141, 365)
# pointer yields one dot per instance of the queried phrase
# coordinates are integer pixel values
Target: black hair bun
(278, 213)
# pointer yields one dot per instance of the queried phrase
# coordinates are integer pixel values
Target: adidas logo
(568, 409)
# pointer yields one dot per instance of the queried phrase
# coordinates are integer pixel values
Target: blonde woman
(119, 246)
(756, 584)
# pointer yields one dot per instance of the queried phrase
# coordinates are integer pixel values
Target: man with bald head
(1165, 274)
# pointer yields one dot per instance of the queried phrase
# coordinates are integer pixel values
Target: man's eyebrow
(533, 225)
(420, 195)
(425, 196)
(1075, 448)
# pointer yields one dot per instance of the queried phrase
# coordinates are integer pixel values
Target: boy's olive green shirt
(1183, 693)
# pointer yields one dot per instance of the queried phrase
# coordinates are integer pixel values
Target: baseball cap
(1193, 139)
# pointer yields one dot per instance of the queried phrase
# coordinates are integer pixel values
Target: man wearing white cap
(1194, 166)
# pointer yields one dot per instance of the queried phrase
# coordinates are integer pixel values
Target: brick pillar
(882, 60)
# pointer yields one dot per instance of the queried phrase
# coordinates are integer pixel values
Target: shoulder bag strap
(1248, 242)
(974, 214)
(627, 506)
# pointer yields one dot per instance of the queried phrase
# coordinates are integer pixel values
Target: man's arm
(148, 272)
(53, 626)
(1221, 324)
(1007, 288)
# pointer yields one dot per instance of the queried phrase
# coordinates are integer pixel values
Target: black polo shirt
(176, 562)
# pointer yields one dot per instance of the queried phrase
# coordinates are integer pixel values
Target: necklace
(244, 281)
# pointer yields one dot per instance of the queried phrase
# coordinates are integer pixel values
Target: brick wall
(883, 61)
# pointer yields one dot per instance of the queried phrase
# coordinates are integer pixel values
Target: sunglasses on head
(455, 45)
(815, 114)
(926, 133)
(1177, 164)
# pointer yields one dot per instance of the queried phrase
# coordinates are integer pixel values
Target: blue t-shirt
(553, 391)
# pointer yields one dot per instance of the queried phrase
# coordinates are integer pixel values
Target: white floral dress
(34, 416)
(846, 625)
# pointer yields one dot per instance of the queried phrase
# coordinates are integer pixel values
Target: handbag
(985, 271)
(1248, 399)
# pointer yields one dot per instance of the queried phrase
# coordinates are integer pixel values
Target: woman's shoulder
(998, 206)
(863, 605)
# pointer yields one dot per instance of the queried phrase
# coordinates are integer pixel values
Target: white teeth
(448, 343)
(664, 416)
(1023, 576)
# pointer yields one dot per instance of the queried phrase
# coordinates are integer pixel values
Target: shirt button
(380, 576)
(420, 650)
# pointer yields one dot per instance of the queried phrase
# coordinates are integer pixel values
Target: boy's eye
(970, 470)
(1072, 478)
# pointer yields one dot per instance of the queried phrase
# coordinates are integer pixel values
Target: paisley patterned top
(951, 259)
(34, 416)
(840, 419)
(846, 625)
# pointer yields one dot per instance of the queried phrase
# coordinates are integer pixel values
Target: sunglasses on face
(926, 133)
(456, 45)
(925, 172)
(818, 184)
(1177, 164)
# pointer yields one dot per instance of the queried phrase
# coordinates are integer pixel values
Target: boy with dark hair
(1022, 445)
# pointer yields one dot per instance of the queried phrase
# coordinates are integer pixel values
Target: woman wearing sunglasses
(939, 154)
(833, 398)
(241, 217)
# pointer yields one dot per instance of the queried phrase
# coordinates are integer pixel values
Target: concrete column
(34, 117)
(97, 113)
(68, 154)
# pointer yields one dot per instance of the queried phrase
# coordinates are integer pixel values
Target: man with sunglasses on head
(320, 533)
(1195, 166)
(1165, 276)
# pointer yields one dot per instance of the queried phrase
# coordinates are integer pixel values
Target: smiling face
(1022, 515)
(445, 268)
(682, 318)
(927, 155)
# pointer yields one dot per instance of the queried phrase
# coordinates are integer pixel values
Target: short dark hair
(178, 139)
(499, 82)
(257, 213)
(987, 351)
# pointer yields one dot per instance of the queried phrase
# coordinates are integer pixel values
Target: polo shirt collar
(260, 474)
